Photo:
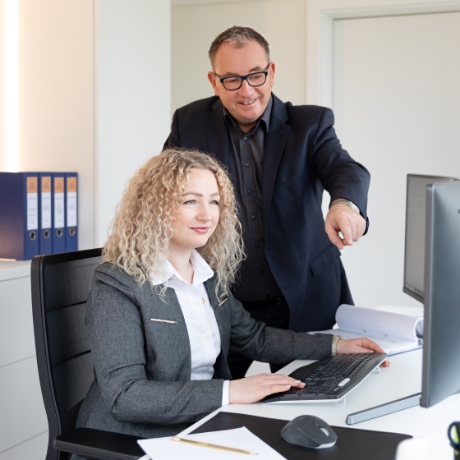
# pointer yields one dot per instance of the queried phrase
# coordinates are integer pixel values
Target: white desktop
(401, 379)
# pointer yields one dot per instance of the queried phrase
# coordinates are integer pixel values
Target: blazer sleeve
(258, 341)
(118, 343)
(339, 173)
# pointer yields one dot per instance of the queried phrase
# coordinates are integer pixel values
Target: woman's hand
(362, 345)
(252, 389)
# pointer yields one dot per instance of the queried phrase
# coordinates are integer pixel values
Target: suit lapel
(275, 142)
(216, 304)
(170, 308)
(210, 289)
(221, 367)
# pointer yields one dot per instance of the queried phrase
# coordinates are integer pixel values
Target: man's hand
(362, 345)
(341, 218)
(252, 389)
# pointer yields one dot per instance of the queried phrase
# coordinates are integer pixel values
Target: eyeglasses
(254, 79)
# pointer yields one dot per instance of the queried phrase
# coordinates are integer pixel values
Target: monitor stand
(384, 409)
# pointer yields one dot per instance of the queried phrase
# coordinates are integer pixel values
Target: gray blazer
(143, 367)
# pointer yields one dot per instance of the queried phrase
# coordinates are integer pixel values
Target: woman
(160, 316)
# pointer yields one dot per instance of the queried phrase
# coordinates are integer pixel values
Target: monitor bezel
(440, 370)
(435, 179)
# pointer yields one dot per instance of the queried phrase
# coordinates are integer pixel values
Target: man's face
(248, 103)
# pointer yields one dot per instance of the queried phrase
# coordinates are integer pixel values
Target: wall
(3, 85)
(132, 95)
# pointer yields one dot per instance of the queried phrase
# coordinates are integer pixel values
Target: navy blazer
(302, 157)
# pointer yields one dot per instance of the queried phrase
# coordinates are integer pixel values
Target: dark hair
(238, 36)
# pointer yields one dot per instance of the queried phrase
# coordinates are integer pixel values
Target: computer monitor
(414, 253)
(441, 294)
(432, 276)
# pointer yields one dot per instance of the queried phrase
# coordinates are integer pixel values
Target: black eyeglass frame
(245, 77)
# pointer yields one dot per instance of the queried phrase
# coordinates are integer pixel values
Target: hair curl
(142, 227)
(238, 37)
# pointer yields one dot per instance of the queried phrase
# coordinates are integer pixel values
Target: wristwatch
(348, 203)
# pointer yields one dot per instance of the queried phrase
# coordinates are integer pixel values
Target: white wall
(132, 95)
(3, 85)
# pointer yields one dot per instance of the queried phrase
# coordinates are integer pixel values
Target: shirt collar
(265, 118)
(201, 271)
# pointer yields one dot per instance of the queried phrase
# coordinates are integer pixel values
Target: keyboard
(331, 378)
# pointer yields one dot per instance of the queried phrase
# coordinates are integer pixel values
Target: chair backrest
(60, 287)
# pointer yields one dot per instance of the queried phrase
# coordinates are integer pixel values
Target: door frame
(321, 15)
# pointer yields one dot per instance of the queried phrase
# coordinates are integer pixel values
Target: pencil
(194, 442)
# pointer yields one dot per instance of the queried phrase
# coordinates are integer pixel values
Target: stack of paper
(394, 332)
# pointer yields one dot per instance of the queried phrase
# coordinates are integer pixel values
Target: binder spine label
(46, 202)
(71, 202)
(32, 203)
(59, 202)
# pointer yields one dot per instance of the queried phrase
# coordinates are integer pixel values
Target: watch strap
(348, 203)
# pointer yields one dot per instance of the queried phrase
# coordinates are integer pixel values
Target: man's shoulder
(302, 117)
(198, 106)
(294, 111)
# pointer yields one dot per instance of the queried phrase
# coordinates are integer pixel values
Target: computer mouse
(309, 431)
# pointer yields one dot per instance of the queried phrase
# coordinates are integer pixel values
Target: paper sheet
(241, 438)
(395, 333)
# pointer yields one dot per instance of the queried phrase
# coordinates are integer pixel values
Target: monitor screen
(441, 369)
(414, 256)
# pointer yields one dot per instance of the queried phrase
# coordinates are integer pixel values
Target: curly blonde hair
(142, 227)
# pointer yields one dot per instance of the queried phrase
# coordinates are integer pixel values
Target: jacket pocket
(326, 258)
(297, 179)
(159, 320)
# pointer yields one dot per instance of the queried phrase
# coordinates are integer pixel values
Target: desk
(402, 378)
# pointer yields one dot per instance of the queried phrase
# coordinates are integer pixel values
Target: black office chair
(60, 287)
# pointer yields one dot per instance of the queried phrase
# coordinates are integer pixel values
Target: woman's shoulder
(113, 276)
(110, 273)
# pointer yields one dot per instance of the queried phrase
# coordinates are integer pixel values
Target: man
(280, 157)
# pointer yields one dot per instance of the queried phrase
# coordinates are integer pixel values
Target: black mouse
(309, 431)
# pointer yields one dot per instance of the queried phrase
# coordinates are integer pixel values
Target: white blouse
(199, 317)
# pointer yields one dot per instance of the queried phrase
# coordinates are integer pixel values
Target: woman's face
(198, 214)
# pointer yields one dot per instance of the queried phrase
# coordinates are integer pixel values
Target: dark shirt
(246, 159)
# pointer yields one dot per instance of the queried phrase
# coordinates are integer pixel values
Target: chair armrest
(101, 445)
